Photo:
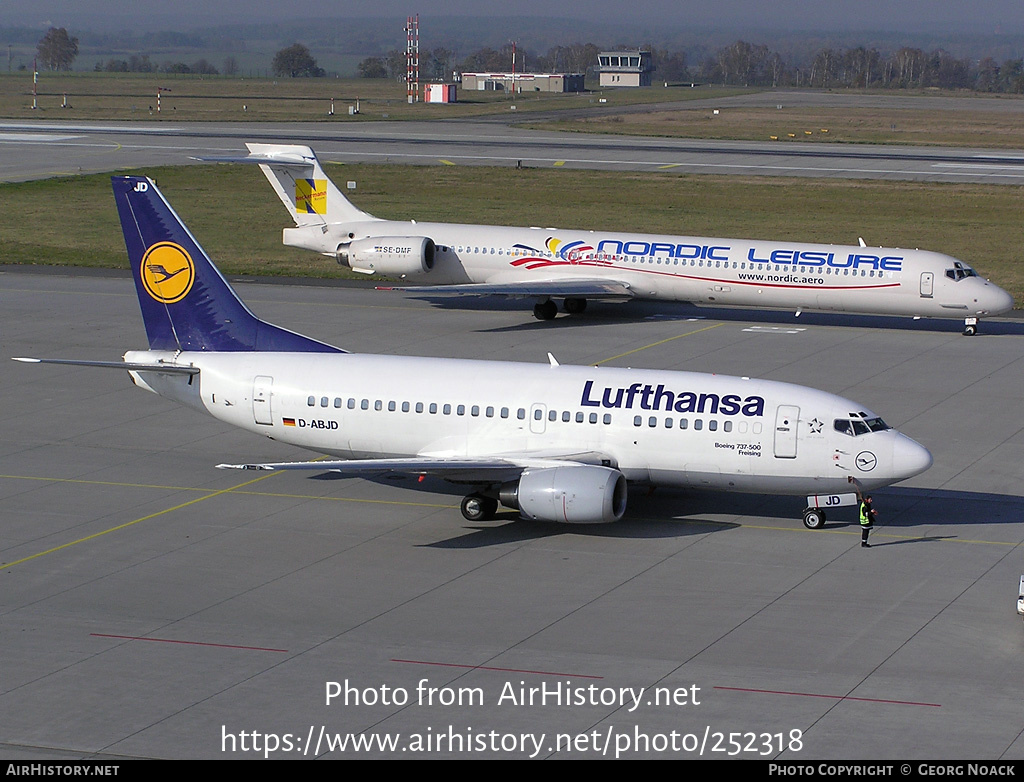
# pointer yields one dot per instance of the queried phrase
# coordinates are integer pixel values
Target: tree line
(57, 50)
(740, 63)
(747, 64)
(140, 63)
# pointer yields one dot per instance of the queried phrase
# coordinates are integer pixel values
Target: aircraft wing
(572, 286)
(481, 469)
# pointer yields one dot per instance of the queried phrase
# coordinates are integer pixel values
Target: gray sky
(977, 16)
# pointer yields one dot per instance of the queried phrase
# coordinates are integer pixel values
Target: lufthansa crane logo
(866, 461)
(167, 272)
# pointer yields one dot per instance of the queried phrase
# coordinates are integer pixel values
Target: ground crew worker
(867, 520)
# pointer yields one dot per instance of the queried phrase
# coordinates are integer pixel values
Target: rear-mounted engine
(396, 256)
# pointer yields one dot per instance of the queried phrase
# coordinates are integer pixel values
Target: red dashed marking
(832, 697)
(502, 670)
(187, 643)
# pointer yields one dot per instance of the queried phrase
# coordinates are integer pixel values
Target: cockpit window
(858, 426)
(960, 271)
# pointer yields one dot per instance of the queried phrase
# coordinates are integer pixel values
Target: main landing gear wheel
(814, 518)
(476, 507)
(575, 306)
(970, 331)
(545, 310)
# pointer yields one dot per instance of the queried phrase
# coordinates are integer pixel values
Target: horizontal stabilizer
(167, 369)
(290, 159)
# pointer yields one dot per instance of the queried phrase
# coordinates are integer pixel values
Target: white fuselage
(737, 272)
(657, 427)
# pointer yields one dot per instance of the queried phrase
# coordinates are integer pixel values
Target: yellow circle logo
(167, 272)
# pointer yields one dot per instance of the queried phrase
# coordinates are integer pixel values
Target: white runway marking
(40, 137)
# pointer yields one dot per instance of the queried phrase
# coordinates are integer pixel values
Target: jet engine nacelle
(579, 494)
(392, 255)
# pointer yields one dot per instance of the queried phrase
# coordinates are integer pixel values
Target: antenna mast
(412, 58)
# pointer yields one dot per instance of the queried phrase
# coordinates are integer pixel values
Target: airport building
(439, 93)
(626, 68)
(523, 82)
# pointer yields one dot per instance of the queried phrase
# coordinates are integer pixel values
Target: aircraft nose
(909, 458)
(997, 300)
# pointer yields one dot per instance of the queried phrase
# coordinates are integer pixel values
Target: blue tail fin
(186, 303)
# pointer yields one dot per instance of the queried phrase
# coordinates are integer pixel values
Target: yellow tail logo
(311, 196)
(167, 272)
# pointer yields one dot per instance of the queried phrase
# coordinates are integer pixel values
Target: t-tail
(313, 201)
(186, 302)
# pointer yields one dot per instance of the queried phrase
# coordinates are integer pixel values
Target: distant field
(863, 126)
(113, 96)
(234, 213)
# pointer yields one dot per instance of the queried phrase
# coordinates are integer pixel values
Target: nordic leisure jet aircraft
(547, 263)
(557, 443)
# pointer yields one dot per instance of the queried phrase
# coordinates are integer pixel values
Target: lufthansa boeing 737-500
(557, 443)
(549, 264)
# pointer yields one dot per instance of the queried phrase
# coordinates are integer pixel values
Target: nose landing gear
(814, 518)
